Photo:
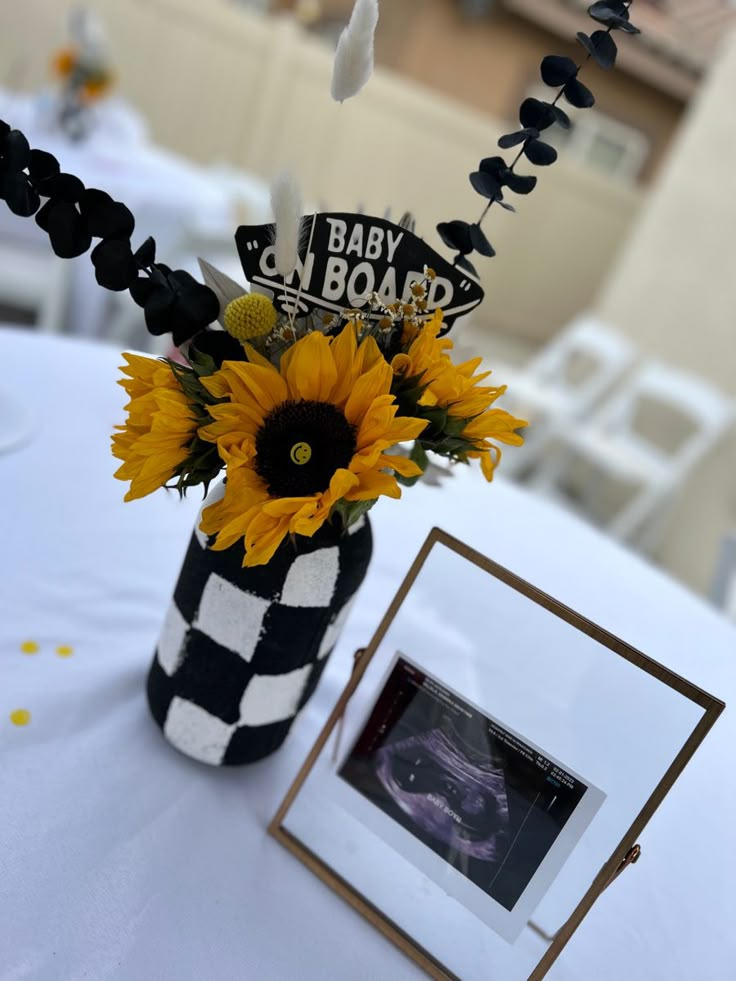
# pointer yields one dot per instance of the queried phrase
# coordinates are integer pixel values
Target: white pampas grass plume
(354, 55)
(286, 202)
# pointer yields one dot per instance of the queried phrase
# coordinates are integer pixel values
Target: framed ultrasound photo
(488, 768)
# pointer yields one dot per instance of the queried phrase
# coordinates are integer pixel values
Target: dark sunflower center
(300, 445)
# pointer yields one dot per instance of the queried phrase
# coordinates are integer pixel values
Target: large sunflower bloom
(161, 424)
(457, 389)
(299, 438)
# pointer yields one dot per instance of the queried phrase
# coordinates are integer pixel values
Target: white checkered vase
(241, 650)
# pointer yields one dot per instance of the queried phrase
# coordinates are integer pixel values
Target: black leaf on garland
(486, 184)
(216, 344)
(15, 186)
(557, 70)
(505, 176)
(536, 116)
(601, 47)
(614, 14)
(578, 95)
(173, 301)
(456, 235)
(146, 254)
(115, 265)
(72, 216)
(480, 242)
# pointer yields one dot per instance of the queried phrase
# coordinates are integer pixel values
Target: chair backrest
(582, 362)
(54, 307)
(723, 587)
(696, 414)
(34, 280)
(250, 194)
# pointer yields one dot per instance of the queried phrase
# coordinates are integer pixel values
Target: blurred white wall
(673, 291)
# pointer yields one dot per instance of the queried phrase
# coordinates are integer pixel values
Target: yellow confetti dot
(20, 717)
(29, 647)
(64, 650)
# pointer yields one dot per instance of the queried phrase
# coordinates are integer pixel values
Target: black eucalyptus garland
(73, 215)
(536, 116)
(173, 301)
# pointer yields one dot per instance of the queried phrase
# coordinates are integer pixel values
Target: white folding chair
(33, 280)
(562, 383)
(723, 588)
(647, 438)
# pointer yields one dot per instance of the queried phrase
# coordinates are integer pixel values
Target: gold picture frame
(626, 852)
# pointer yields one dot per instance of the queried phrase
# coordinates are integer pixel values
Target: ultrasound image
(460, 802)
(489, 804)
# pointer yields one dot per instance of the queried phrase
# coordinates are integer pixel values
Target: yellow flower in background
(64, 62)
(301, 437)
(161, 424)
(96, 85)
(457, 389)
(92, 80)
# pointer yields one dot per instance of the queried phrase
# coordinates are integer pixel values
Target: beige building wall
(218, 83)
(491, 63)
(674, 291)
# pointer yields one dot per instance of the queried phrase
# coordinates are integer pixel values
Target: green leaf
(351, 511)
(436, 416)
(450, 445)
(408, 481)
(202, 364)
(454, 426)
(419, 456)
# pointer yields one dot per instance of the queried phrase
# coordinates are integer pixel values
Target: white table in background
(121, 859)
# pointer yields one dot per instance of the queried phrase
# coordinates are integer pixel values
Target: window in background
(601, 142)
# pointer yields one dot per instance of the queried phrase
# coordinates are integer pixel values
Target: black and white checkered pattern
(241, 650)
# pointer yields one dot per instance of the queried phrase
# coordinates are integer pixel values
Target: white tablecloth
(170, 197)
(119, 858)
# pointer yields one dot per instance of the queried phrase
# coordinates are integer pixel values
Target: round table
(120, 858)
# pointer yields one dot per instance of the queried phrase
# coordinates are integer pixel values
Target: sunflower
(300, 438)
(161, 423)
(457, 389)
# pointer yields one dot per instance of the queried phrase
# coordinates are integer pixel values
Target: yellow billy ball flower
(249, 316)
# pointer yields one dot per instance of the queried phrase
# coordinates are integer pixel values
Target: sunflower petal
(309, 368)
(374, 484)
(265, 534)
(400, 464)
(370, 386)
(347, 362)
